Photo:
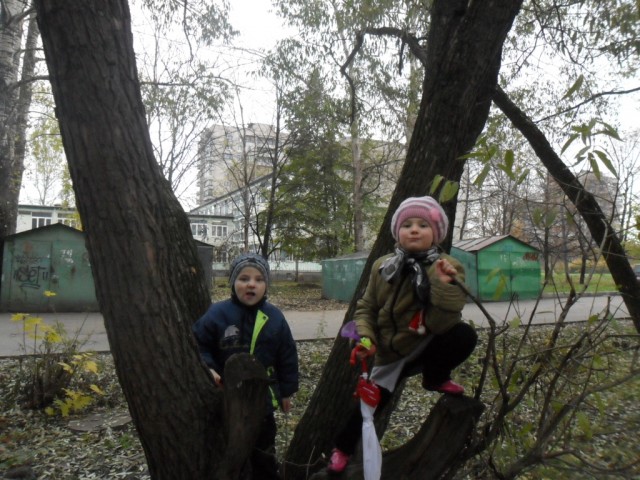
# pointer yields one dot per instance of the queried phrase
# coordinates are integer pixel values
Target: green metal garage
(47, 259)
(499, 267)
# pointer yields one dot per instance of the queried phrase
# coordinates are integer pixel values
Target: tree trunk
(601, 230)
(149, 281)
(358, 209)
(11, 22)
(462, 63)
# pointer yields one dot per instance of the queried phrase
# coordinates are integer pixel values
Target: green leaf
(449, 191)
(569, 141)
(523, 176)
(604, 158)
(509, 159)
(437, 180)
(594, 165)
(610, 131)
(500, 289)
(576, 85)
(483, 175)
(585, 425)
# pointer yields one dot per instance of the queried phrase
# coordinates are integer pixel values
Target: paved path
(314, 325)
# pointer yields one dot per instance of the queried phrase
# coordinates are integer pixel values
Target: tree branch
(588, 100)
(586, 204)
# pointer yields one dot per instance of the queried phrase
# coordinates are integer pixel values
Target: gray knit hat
(248, 260)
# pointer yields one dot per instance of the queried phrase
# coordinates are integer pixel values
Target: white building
(214, 230)
(34, 216)
(229, 157)
(234, 204)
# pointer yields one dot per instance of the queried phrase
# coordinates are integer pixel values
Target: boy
(247, 323)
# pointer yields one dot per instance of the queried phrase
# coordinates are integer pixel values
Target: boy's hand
(286, 404)
(216, 377)
(445, 271)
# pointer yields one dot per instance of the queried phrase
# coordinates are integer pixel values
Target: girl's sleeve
(448, 296)
(367, 308)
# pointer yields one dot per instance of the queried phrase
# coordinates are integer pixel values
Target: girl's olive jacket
(385, 310)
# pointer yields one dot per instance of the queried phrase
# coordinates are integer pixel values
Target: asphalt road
(318, 324)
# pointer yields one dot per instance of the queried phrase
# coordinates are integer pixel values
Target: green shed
(340, 276)
(47, 259)
(488, 261)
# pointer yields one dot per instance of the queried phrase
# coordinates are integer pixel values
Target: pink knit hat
(426, 208)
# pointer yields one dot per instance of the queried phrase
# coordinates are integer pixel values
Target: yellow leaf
(66, 367)
(19, 317)
(96, 389)
(49, 293)
(33, 321)
(91, 366)
(53, 337)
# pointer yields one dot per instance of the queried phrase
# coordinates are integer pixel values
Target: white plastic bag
(371, 451)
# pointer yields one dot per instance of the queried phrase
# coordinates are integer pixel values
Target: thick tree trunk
(462, 63)
(149, 281)
(601, 230)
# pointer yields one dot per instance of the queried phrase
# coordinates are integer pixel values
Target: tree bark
(12, 14)
(462, 61)
(599, 227)
(149, 281)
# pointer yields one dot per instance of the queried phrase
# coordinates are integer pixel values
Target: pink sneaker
(338, 461)
(450, 387)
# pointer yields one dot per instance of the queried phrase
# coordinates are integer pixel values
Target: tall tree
(314, 214)
(17, 66)
(149, 281)
(462, 59)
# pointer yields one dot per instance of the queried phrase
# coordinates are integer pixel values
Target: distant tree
(313, 217)
(183, 94)
(46, 163)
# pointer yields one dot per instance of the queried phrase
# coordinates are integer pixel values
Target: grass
(599, 283)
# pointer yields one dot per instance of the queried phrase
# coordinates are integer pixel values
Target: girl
(410, 314)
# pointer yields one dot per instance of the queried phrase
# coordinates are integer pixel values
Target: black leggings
(443, 353)
(263, 458)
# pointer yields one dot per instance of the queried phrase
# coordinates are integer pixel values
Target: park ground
(100, 443)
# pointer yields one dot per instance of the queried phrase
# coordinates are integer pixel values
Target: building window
(220, 230)
(221, 256)
(40, 219)
(198, 229)
(68, 220)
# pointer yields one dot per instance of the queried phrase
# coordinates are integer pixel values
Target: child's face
(250, 286)
(415, 235)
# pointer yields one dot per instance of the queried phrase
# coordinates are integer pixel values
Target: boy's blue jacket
(227, 328)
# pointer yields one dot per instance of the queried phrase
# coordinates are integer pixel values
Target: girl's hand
(286, 404)
(445, 271)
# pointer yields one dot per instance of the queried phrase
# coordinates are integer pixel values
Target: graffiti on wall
(31, 271)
